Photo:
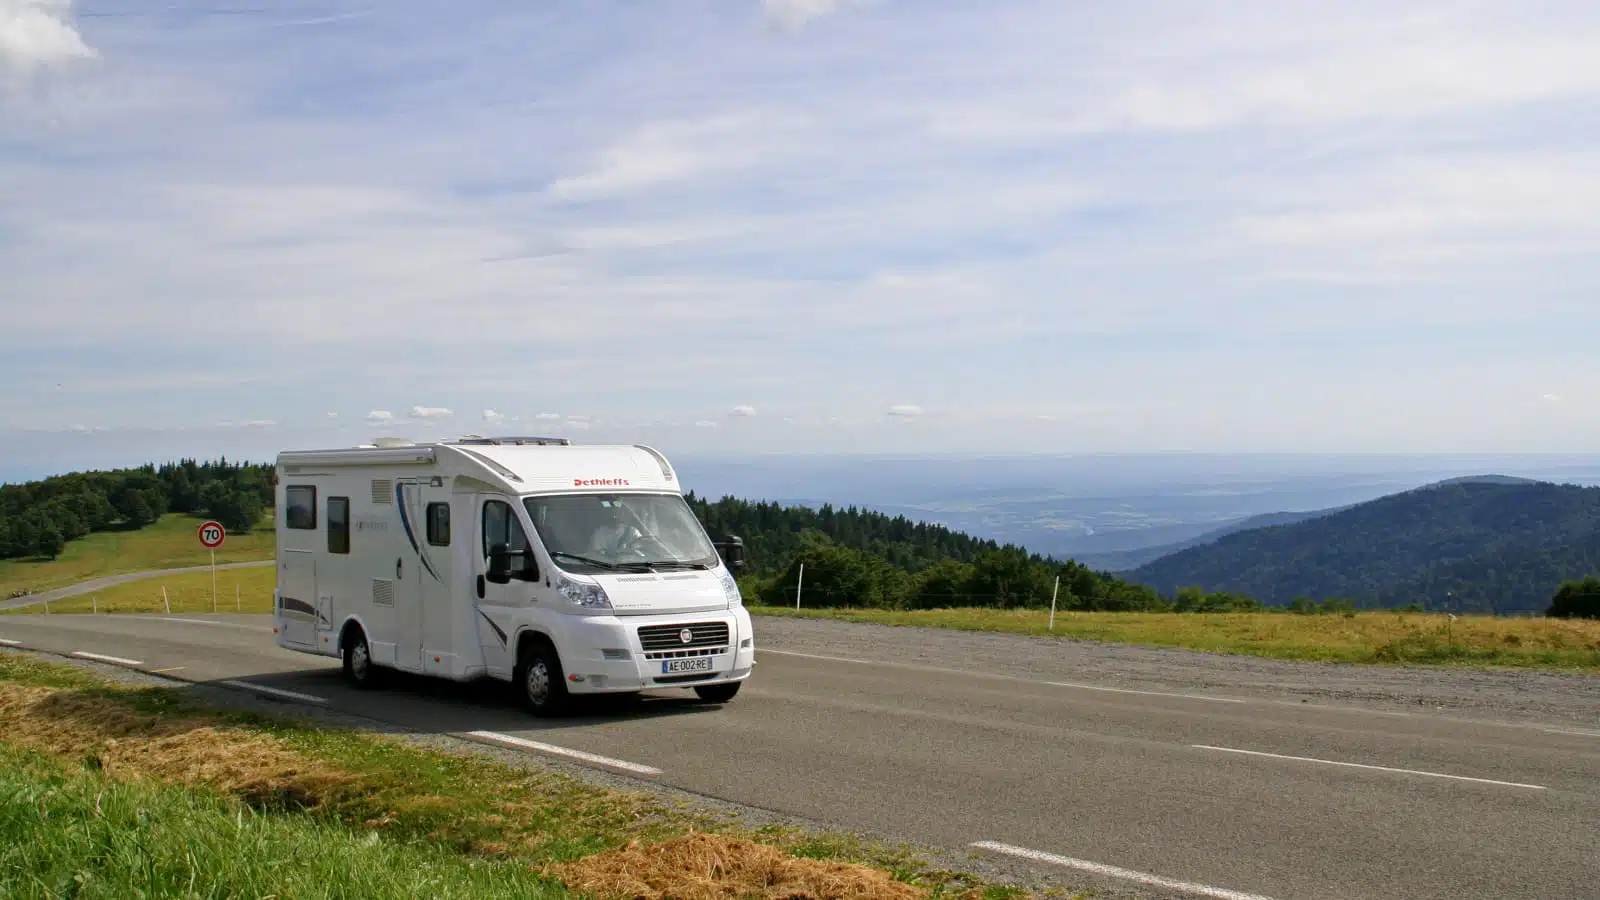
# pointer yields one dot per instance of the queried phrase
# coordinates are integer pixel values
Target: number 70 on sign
(211, 536)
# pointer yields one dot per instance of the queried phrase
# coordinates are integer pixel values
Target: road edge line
(1094, 868)
(100, 657)
(272, 691)
(1335, 762)
(523, 743)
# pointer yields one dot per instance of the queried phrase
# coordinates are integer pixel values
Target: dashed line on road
(1577, 731)
(9, 643)
(524, 743)
(210, 622)
(993, 675)
(110, 659)
(1331, 762)
(276, 692)
(172, 669)
(1081, 865)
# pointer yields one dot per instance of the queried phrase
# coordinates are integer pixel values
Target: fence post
(164, 601)
(94, 604)
(1053, 592)
(799, 585)
(236, 606)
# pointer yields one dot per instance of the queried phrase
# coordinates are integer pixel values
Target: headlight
(584, 595)
(730, 589)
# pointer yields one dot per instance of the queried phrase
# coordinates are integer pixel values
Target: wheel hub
(538, 682)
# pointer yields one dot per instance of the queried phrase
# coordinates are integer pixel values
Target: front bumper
(606, 654)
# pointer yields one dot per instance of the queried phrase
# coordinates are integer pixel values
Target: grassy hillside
(1476, 546)
(238, 590)
(167, 544)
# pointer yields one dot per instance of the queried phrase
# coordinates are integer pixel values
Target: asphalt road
(1237, 796)
(100, 584)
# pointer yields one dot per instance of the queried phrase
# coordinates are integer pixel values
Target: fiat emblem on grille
(686, 635)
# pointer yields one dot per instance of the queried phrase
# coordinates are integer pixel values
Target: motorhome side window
(439, 524)
(501, 526)
(301, 507)
(338, 524)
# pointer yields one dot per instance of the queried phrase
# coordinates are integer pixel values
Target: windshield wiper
(673, 564)
(582, 559)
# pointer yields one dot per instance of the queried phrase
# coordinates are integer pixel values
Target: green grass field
(1366, 637)
(238, 590)
(110, 791)
(168, 544)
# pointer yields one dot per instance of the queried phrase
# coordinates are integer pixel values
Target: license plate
(683, 666)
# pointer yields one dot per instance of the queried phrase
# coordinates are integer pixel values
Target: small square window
(301, 507)
(439, 524)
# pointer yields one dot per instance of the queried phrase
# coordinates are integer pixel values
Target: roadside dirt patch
(129, 745)
(711, 867)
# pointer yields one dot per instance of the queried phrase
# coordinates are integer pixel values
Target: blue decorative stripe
(405, 522)
(497, 630)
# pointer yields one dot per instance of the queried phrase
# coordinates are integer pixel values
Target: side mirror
(499, 564)
(732, 550)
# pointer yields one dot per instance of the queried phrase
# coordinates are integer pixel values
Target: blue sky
(822, 225)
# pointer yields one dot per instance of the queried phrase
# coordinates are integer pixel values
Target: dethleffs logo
(600, 482)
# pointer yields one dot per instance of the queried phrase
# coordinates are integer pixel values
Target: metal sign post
(212, 535)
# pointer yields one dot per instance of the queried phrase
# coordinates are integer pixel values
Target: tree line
(38, 518)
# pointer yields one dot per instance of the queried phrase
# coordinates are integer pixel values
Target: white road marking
(209, 622)
(10, 643)
(564, 751)
(1095, 687)
(278, 692)
(991, 675)
(1578, 731)
(1203, 890)
(173, 669)
(109, 659)
(1330, 762)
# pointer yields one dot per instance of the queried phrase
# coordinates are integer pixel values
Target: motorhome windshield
(590, 533)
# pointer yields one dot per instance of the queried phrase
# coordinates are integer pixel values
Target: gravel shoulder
(1501, 694)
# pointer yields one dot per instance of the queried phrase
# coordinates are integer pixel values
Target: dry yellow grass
(712, 867)
(1365, 637)
(129, 745)
(238, 590)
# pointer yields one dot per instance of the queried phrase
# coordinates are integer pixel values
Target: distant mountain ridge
(1477, 543)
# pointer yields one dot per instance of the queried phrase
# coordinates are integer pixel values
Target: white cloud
(792, 15)
(333, 415)
(1552, 398)
(429, 413)
(742, 412)
(548, 417)
(492, 417)
(905, 411)
(706, 423)
(380, 415)
(39, 33)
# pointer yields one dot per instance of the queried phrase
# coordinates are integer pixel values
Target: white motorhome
(565, 569)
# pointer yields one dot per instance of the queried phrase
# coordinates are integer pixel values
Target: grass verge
(167, 544)
(83, 757)
(237, 590)
(1363, 637)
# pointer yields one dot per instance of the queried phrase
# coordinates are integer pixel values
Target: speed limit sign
(211, 535)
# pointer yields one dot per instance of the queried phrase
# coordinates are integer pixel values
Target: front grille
(670, 637)
(684, 654)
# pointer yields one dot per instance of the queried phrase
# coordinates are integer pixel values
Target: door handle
(480, 587)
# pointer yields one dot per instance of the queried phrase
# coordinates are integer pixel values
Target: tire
(719, 693)
(540, 681)
(358, 667)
